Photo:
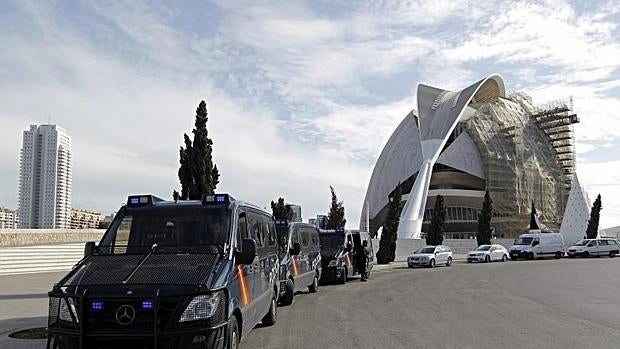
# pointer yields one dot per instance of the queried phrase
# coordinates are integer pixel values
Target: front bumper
(332, 273)
(480, 258)
(412, 262)
(518, 254)
(572, 253)
(155, 328)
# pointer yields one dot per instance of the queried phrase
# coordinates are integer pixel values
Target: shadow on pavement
(8, 326)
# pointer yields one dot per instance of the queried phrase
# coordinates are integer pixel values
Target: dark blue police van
(336, 255)
(187, 274)
(300, 258)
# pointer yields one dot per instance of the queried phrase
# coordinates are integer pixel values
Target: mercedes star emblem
(125, 314)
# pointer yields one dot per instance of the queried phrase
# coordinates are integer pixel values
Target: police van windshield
(282, 231)
(524, 241)
(331, 240)
(172, 229)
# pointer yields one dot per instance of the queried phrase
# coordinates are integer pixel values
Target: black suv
(187, 274)
(300, 258)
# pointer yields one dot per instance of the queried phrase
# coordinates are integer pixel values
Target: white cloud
(297, 96)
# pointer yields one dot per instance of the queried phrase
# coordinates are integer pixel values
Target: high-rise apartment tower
(45, 178)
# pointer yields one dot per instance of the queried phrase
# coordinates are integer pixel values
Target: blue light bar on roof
(281, 222)
(215, 199)
(142, 200)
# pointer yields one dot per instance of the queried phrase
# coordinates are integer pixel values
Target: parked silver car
(429, 256)
(488, 253)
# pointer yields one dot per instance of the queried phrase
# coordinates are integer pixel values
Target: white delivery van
(537, 243)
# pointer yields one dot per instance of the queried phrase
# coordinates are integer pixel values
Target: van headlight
(201, 307)
(67, 307)
(333, 263)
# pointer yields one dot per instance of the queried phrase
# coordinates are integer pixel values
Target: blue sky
(301, 95)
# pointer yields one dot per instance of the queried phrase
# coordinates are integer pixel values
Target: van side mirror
(296, 249)
(535, 243)
(248, 251)
(89, 248)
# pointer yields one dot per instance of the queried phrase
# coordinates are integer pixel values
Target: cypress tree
(335, 217)
(387, 244)
(534, 223)
(595, 215)
(280, 210)
(484, 221)
(197, 172)
(438, 222)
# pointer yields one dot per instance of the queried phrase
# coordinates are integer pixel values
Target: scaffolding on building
(556, 119)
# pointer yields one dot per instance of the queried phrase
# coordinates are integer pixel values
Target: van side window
(314, 237)
(268, 229)
(295, 235)
(255, 229)
(242, 229)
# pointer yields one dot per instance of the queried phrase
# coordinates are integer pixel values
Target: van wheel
(272, 315)
(612, 254)
(487, 259)
(530, 255)
(232, 333)
(315, 285)
(586, 254)
(431, 264)
(287, 297)
(558, 255)
(449, 262)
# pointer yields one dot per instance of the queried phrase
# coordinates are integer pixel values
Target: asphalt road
(526, 304)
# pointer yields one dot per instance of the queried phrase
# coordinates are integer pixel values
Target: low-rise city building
(9, 219)
(84, 219)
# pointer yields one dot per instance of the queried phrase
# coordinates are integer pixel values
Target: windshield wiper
(133, 271)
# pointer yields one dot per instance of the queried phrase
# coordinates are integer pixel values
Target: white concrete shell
(412, 150)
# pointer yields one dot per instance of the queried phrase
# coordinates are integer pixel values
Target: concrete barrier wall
(27, 237)
(39, 258)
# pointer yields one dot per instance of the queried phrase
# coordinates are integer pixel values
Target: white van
(595, 247)
(536, 244)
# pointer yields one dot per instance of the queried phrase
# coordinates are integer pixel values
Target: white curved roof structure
(411, 150)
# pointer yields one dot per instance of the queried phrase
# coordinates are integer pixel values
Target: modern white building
(459, 144)
(45, 178)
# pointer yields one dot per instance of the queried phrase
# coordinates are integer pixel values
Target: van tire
(558, 255)
(612, 254)
(530, 256)
(233, 335)
(487, 259)
(287, 297)
(272, 315)
(314, 286)
(449, 262)
(586, 254)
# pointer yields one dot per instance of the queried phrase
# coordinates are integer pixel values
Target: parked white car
(594, 247)
(430, 256)
(488, 253)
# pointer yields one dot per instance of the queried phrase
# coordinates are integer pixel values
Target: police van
(166, 274)
(300, 258)
(336, 255)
